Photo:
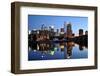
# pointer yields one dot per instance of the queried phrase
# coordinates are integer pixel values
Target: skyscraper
(69, 30)
(42, 27)
(80, 32)
(61, 29)
(65, 27)
(57, 32)
(51, 28)
(62, 32)
(86, 32)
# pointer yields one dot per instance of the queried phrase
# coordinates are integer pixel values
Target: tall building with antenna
(69, 30)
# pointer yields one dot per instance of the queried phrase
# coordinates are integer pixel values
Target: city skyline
(35, 22)
(56, 38)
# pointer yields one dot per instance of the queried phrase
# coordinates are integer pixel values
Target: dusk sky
(35, 22)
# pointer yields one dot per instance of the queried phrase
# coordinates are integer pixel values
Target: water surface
(52, 51)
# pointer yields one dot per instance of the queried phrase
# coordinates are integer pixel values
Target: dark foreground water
(52, 51)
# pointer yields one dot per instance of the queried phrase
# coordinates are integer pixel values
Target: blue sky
(35, 22)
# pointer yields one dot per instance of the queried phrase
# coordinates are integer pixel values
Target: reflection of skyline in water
(52, 51)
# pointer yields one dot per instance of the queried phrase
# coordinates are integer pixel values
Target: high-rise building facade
(80, 32)
(86, 32)
(65, 27)
(62, 32)
(69, 30)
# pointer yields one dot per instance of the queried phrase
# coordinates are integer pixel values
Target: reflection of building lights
(61, 46)
(73, 43)
(51, 52)
(37, 47)
(42, 56)
(55, 49)
(29, 49)
(34, 50)
(68, 57)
